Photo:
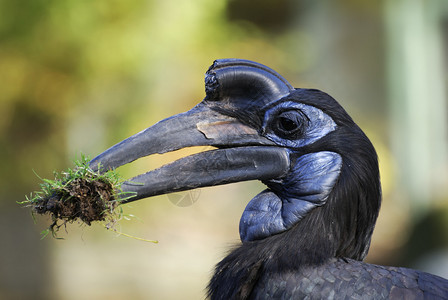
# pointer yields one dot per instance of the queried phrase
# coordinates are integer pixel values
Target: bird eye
(289, 124)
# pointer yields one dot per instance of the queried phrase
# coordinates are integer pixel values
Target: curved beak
(238, 87)
(242, 154)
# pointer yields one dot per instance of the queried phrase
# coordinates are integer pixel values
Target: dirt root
(86, 200)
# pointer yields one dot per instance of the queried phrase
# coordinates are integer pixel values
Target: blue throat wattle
(287, 201)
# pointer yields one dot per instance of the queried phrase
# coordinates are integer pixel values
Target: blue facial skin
(305, 187)
(318, 124)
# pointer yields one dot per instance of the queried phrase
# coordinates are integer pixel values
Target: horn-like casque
(239, 78)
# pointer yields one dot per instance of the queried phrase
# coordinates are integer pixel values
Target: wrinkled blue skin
(319, 124)
(308, 185)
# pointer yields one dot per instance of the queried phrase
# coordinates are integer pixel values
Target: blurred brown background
(79, 76)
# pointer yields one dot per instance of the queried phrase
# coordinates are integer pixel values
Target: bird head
(318, 165)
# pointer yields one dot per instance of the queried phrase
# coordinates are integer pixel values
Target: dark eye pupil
(287, 124)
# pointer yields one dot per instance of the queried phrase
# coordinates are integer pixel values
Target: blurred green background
(79, 76)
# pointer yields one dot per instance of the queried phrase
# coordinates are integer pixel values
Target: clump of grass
(79, 194)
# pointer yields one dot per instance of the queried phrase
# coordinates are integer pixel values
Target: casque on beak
(242, 154)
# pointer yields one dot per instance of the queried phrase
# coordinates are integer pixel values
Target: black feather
(319, 257)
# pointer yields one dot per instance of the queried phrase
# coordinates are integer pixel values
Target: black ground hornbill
(306, 235)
